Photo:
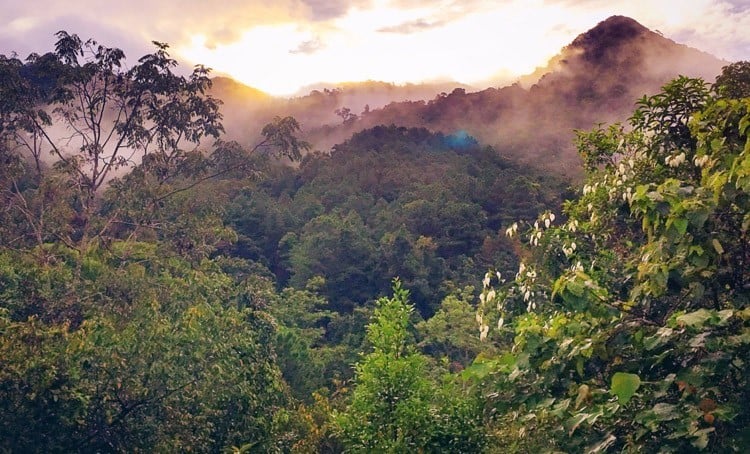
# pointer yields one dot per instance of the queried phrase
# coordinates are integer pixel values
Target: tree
(626, 326)
(389, 408)
(734, 81)
(395, 406)
(95, 117)
(98, 121)
(337, 247)
(141, 352)
(346, 115)
(449, 333)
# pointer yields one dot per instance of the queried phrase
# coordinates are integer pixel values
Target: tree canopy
(626, 326)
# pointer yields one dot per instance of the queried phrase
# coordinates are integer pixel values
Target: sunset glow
(285, 46)
(365, 45)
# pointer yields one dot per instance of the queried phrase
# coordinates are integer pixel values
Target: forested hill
(164, 289)
(596, 78)
(390, 201)
(323, 105)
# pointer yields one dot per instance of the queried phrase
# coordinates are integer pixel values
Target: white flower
(490, 295)
(500, 323)
(674, 161)
(483, 332)
(512, 229)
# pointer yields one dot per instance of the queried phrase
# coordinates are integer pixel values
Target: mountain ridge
(597, 77)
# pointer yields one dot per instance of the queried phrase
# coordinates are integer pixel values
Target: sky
(283, 46)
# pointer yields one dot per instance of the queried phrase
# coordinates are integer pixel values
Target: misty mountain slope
(597, 77)
(247, 109)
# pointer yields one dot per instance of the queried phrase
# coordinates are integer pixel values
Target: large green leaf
(624, 386)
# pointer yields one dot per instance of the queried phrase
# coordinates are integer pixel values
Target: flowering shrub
(627, 324)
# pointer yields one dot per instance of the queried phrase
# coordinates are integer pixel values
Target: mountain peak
(609, 35)
(614, 28)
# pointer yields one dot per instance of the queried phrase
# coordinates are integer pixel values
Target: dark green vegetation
(628, 326)
(161, 294)
(388, 202)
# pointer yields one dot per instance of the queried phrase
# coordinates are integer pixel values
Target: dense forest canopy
(165, 289)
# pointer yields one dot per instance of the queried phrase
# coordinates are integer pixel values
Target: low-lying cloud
(412, 26)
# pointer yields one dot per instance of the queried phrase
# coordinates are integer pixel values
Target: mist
(598, 77)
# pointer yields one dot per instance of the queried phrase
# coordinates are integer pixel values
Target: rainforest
(561, 265)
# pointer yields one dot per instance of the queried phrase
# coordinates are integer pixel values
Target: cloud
(412, 26)
(321, 10)
(305, 41)
(168, 21)
(739, 6)
(308, 47)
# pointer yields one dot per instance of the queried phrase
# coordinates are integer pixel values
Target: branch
(264, 143)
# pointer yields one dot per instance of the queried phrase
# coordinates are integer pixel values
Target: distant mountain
(246, 109)
(232, 91)
(357, 96)
(596, 78)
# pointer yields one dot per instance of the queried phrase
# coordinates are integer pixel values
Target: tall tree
(95, 117)
(627, 326)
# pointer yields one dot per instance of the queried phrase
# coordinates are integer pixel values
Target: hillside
(244, 105)
(596, 78)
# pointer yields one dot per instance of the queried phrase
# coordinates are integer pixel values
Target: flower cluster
(675, 160)
(487, 297)
(526, 280)
(701, 161)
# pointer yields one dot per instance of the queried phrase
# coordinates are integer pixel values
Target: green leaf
(695, 319)
(681, 225)
(624, 386)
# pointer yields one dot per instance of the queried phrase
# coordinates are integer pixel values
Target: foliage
(450, 333)
(74, 121)
(138, 353)
(393, 408)
(389, 408)
(112, 116)
(626, 327)
(734, 81)
(408, 203)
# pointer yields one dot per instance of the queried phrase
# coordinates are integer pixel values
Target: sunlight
(384, 44)
(260, 58)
